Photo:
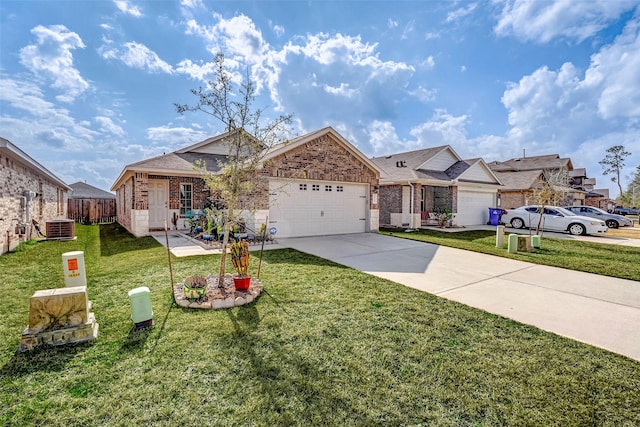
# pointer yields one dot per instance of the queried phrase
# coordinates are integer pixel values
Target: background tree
(631, 197)
(552, 190)
(248, 137)
(613, 162)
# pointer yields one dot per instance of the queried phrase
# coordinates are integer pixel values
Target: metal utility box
(140, 299)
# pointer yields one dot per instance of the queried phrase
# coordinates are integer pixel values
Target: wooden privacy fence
(91, 211)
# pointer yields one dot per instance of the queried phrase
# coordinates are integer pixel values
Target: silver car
(553, 219)
(612, 220)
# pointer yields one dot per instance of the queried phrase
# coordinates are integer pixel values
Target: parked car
(625, 211)
(554, 219)
(612, 220)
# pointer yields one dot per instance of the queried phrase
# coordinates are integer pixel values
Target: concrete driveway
(598, 310)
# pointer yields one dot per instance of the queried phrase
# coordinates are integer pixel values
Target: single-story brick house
(319, 184)
(28, 192)
(434, 180)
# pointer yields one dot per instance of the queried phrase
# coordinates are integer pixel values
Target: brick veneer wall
(514, 199)
(16, 179)
(323, 159)
(390, 202)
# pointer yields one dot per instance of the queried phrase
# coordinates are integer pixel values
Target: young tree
(613, 162)
(552, 191)
(248, 137)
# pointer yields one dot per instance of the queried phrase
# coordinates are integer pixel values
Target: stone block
(58, 308)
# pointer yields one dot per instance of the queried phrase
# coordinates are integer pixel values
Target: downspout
(410, 205)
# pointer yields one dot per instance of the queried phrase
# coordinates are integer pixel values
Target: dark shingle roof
(80, 190)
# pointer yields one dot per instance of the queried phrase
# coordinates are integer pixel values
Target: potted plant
(195, 287)
(239, 251)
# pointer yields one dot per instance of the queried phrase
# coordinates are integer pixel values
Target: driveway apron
(598, 310)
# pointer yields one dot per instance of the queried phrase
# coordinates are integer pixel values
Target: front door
(158, 203)
(406, 205)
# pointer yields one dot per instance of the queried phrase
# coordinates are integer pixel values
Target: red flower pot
(242, 283)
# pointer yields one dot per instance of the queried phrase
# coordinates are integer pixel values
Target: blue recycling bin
(494, 215)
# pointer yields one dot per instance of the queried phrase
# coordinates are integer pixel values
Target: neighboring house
(600, 198)
(90, 205)
(416, 184)
(580, 181)
(519, 187)
(522, 176)
(319, 184)
(28, 192)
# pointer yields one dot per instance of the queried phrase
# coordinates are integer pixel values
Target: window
(339, 188)
(327, 188)
(186, 198)
(303, 187)
(315, 187)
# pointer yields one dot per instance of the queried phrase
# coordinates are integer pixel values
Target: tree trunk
(223, 258)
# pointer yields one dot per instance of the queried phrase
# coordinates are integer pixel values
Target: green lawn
(599, 258)
(326, 345)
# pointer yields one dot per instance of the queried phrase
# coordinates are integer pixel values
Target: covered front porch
(415, 205)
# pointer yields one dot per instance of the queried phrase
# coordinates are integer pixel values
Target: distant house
(600, 198)
(522, 176)
(417, 184)
(319, 184)
(89, 205)
(29, 192)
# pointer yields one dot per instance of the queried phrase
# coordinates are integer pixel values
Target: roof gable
(280, 149)
(478, 171)
(441, 161)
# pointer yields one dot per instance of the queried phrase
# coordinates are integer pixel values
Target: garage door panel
(473, 207)
(317, 208)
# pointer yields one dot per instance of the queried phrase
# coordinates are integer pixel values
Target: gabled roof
(548, 161)
(436, 164)
(524, 180)
(301, 140)
(404, 166)
(10, 149)
(181, 162)
(81, 190)
(602, 191)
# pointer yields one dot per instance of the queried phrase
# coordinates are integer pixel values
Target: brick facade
(51, 203)
(322, 158)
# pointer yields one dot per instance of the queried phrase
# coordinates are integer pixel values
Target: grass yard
(599, 258)
(326, 345)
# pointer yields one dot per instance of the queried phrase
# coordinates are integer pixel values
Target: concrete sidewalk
(598, 310)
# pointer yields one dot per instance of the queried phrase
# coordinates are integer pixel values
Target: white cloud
(392, 23)
(342, 90)
(461, 13)
(175, 137)
(423, 94)
(51, 57)
(136, 55)
(429, 62)
(442, 129)
(278, 30)
(383, 138)
(542, 21)
(192, 4)
(107, 125)
(615, 71)
(202, 72)
(125, 7)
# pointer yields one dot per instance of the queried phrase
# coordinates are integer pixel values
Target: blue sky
(87, 87)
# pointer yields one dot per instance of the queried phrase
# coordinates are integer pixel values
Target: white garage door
(473, 207)
(314, 208)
